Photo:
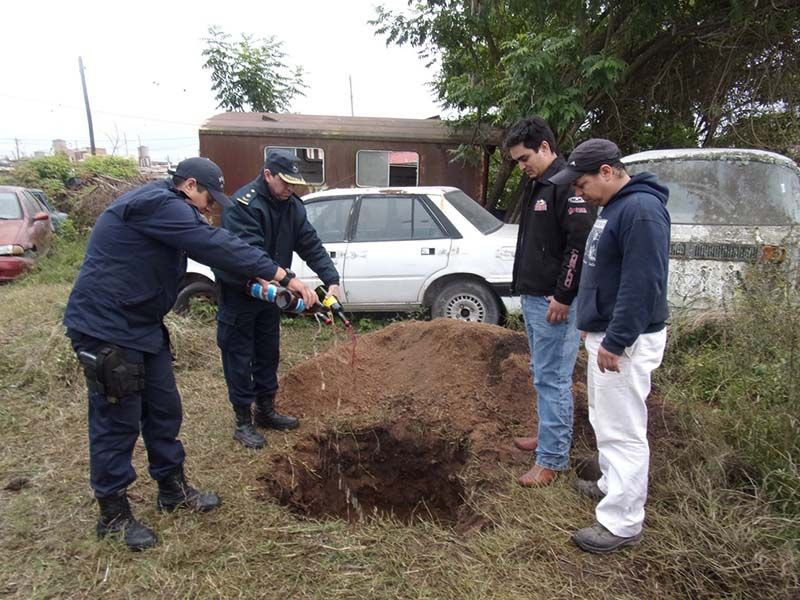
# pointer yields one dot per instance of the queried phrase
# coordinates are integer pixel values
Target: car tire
(197, 289)
(467, 301)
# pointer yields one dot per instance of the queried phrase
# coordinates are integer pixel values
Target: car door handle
(332, 253)
(427, 251)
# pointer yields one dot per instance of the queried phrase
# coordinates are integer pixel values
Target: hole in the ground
(404, 472)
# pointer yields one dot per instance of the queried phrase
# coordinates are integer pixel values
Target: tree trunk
(503, 173)
(514, 209)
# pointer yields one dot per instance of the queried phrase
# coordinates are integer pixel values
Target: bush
(743, 367)
(48, 173)
(111, 166)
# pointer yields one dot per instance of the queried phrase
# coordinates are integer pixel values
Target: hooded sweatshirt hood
(643, 183)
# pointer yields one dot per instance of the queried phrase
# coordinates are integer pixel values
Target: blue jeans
(554, 348)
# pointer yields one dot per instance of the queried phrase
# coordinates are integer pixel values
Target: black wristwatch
(287, 278)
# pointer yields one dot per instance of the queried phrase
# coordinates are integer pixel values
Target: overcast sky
(144, 68)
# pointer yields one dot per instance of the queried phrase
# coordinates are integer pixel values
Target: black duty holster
(108, 372)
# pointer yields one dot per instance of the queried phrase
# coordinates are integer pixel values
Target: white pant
(618, 414)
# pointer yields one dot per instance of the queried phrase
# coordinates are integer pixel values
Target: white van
(730, 208)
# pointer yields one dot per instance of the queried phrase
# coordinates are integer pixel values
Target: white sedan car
(405, 249)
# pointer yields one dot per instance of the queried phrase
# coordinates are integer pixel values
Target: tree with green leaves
(250, 74)
(646, 73)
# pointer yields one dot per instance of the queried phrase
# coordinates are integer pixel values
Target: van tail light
(773, 254)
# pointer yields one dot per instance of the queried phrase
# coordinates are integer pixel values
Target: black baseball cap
(283, 163)
(588, 157)
(207, 174)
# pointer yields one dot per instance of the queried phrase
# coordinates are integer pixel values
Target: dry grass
(702, 540)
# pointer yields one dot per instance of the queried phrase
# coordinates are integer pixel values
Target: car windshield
(727, 191)
(9, 206)
(481, 219)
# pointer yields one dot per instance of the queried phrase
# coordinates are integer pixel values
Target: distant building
(77, 154)
(144, 156)
(60, 147)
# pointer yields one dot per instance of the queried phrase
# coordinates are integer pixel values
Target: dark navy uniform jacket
(279, 228)
(135, 259)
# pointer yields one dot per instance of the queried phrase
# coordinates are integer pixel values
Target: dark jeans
(114, 428)
(248, 336)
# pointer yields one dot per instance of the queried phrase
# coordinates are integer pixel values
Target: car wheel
(205, 290)
(467, 301)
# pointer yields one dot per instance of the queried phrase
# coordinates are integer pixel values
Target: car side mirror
(41, 216)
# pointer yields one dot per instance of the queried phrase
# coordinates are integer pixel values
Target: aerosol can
(285, 300)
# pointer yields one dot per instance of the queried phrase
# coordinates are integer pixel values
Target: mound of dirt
(410, 419)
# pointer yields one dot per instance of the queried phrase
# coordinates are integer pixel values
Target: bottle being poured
(331, 303)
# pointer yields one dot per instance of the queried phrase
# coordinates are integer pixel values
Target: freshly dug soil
(421, 414)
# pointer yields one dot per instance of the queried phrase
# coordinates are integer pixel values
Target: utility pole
(88, 110)
(16, 141)
(350, 77)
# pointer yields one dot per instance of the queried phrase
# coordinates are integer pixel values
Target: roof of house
(348, 128)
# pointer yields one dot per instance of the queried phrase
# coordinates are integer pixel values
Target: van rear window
(727, 191)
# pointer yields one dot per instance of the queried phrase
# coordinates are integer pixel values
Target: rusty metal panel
(240, 156)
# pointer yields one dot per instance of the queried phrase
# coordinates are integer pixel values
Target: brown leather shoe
(538, 477)
(528, 444)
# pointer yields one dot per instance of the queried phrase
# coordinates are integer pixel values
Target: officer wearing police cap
(114, 317)
(267, 214)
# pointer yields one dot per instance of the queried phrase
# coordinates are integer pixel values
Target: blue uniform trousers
(248, 336)
(114, 428)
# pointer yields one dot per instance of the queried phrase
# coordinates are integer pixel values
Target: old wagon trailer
(342, 152)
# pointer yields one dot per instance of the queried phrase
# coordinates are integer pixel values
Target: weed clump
(742, 367)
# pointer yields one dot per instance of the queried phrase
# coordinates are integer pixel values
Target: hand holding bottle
(331, 302)
(305, 292)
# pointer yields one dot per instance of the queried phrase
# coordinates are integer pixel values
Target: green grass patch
(712, 530)
(741, 369)
(62, 263)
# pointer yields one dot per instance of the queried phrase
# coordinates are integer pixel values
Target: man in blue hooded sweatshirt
(622, 307)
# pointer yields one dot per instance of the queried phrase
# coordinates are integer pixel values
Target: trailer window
(387, 168)
(311, 162)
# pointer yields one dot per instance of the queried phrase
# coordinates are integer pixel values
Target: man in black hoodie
(553, 227)
(622, 305)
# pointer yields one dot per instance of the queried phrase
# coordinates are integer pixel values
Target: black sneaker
(587, 488)
(599, 540)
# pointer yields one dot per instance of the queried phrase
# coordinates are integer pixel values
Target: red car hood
(9, 232)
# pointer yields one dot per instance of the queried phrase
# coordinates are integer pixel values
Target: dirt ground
(412, 419)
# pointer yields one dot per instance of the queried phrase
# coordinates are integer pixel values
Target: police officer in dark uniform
(135, 258)
(267, 214)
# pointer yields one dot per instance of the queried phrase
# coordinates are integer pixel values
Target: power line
(102, 112)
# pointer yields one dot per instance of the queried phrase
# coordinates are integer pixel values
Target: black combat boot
(245, 432)
(117, 520)
(266, 415)
(175, 492)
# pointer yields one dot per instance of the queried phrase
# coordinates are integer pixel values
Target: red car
(25, 231)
